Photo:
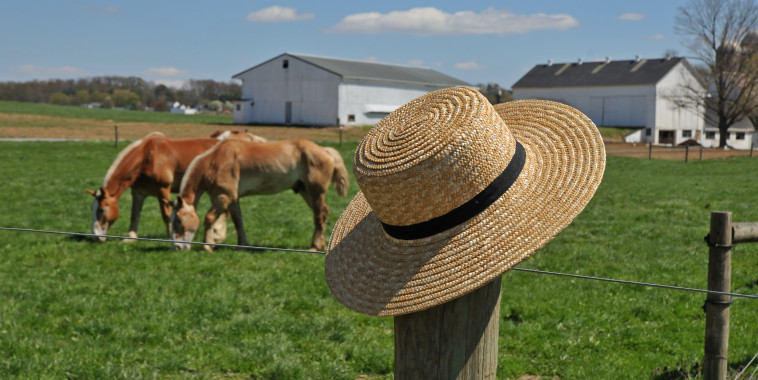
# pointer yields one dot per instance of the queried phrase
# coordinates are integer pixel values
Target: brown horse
(234, 169)
(151, 166)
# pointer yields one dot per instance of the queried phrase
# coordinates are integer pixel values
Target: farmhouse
(644, 94)
(310, 90)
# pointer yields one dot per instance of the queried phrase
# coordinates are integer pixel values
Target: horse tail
(340, 179)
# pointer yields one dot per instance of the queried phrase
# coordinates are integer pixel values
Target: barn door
(287, 112)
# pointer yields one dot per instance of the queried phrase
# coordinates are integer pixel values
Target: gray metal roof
(601, 73)
(349, 69)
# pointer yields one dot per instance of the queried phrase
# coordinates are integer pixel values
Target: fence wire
(257, 248)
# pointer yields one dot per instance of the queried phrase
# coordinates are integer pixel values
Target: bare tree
(724, 45)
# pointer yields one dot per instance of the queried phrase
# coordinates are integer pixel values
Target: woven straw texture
(434, 154)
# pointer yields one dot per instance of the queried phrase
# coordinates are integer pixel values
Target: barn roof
(349, 69)
(600, 73)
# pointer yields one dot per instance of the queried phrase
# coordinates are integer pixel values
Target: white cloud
(432, 21)
(631, 16)
(50, 71)
(470, 65)
(278, 14)
(656, 37)
(172, 83)
(165, 71)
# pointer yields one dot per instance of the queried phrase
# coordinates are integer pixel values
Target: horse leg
(219, 228)
(218, 208)
(239, 225)
(317, 203)
(138, 199)
(164, 201)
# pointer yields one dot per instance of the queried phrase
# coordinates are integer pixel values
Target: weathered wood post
(686, 153)
(339, 126)
(115, 131)
(650, 151)
(717, 305)
(456, 340)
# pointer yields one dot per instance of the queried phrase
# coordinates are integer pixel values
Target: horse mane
(120, 157)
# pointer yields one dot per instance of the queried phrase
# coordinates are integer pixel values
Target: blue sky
(170, 41)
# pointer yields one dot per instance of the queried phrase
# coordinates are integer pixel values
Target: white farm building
(638, 93)
(297, 89)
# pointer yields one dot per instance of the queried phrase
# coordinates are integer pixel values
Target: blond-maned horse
(151, 166)
(234, 169)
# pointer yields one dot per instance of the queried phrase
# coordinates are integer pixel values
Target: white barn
(638, 93)
(297, 89)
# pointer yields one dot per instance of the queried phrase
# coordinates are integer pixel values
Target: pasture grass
(614, 134)
(71, 308)
(115, 115)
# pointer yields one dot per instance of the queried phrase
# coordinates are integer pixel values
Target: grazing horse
(151, 166)
(234, 169)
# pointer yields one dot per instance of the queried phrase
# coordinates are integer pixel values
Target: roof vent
(637, 58)
(549, 62)
(607, 60)
(579, 62)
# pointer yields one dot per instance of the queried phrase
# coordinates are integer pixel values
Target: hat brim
(375, 274)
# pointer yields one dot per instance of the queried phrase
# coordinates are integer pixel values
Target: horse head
(104, 213)
(184, 224)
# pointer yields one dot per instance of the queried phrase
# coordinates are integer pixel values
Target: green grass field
(70, 308)
(110, 114)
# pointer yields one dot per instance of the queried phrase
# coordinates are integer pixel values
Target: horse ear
(91, 192)
(178, 202)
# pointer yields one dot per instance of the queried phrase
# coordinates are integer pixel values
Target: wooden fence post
(686, 153)
(717, 305)
(650, 151)
(115, 131)
(340, 129)
(456, 340)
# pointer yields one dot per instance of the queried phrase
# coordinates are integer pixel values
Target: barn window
(239, 107)
(740, 135)
(648, 132)
(285, 63)
(350, 118)
(686, 133)
(710, 135)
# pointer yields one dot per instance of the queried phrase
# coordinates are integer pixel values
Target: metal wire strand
(746, 367)
(81, 234)
(256, 248)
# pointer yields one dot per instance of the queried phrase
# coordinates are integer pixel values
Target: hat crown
(432, 155)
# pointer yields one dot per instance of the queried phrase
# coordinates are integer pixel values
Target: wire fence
(274, 249)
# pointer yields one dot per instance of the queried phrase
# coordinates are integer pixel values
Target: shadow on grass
(78, 238)
(695, 371)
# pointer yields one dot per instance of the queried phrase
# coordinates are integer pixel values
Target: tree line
(121, 92)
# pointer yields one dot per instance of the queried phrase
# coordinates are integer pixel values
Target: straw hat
(454, 192)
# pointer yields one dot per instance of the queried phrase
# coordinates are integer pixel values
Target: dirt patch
(692, 153)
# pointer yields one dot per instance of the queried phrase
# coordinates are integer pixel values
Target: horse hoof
(208, 248)
(131, 236)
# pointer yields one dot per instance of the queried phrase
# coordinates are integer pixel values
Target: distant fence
(681, 153)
